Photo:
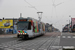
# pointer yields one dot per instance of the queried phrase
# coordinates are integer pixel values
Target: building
(9, 25)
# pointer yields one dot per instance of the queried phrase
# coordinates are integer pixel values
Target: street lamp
(39, 16)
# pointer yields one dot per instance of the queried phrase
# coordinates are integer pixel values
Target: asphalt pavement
(45, 42)
(3, 40)
(67, 40)
(49, 41)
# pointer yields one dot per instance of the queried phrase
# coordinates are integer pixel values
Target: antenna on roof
(21, 16)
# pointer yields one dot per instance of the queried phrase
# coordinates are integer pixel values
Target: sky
(56, 14)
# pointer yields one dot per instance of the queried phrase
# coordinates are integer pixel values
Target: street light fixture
(39, 16)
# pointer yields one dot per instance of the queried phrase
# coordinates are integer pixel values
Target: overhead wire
(62, 17)
(53, 1)
(55, 8)
(31, 5)
(52, 7)
(47, 18)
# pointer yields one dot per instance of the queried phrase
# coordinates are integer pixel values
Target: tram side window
(29, 26)
(33, 27)
(42, 26)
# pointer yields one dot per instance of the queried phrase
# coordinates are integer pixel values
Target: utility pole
(70, 22)
(39, 16)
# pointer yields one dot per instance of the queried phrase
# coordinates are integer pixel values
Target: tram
(30, 27)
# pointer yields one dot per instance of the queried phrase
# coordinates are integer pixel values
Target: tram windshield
(24, 26)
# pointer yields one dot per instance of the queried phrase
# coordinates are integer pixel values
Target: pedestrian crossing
(66, 36)
(63, 47)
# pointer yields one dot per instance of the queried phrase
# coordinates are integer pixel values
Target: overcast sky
(57, 14)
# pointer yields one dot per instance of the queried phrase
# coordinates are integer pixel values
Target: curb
(12, 36)
(72, 33)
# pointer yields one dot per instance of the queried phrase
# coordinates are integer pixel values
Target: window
(24, 26)
(29, 26)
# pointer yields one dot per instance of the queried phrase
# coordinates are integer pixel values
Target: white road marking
(73, 36)
(56, 47)
(60, 49)
(63, 36)
(68, 36)
(68, 47)
(58, 36)
(33, 49)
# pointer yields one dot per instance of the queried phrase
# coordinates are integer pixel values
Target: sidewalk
(8, 35)
(52, 33)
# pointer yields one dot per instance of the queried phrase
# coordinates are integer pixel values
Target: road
(45, 42)
(49, 41)
(67, 40)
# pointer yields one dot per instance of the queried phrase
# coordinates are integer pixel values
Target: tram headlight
(18, 33)
(21, 33)
(25, 33)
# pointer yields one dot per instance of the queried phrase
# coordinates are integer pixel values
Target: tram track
(40, 43)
